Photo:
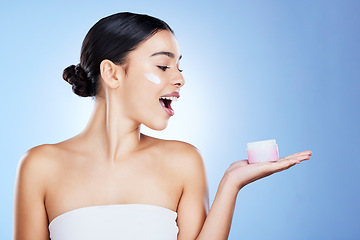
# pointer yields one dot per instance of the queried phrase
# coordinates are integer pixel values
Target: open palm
(243, 173)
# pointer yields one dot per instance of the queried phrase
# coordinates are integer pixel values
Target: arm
(194, 202)
(218, 222)
(30, 217)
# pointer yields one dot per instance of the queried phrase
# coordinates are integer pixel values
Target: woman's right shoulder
(39, 159)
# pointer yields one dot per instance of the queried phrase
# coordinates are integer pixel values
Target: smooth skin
(111, 162)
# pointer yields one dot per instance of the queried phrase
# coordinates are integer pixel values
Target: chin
(157, 126)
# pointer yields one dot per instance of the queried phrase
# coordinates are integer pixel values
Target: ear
(111, 73)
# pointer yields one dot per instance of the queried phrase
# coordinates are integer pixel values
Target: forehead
(161, 41)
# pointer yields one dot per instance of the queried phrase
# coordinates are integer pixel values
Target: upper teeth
(170, 98)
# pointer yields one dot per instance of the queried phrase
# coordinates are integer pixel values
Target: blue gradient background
(254, 70)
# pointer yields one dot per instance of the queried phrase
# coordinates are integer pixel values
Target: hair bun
(77, 77)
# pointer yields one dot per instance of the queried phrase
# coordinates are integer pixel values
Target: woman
(112, 182)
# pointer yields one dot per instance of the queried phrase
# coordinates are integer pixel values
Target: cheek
(152, 78)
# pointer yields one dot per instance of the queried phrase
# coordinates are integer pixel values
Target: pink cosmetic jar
(262, 151)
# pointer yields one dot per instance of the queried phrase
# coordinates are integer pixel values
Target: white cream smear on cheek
(152, 78)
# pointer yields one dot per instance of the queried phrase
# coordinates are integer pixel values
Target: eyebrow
(169, 54)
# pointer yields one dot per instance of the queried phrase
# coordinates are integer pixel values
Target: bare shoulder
(188, 159)
(184, 155)
(39, 154)
(34, 171)
(38, 161)
(173, 147)
(186, 152)
(187, 164)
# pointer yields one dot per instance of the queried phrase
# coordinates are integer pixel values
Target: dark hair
(112, 38)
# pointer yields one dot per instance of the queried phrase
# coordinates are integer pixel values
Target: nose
(179, 80)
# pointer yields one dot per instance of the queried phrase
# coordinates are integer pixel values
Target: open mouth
(165, 102)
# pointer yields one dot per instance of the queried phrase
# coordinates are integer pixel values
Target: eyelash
(166, 67)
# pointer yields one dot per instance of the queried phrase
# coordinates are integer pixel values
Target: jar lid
(262, 144)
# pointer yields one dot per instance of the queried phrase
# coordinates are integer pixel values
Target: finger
(307, 153)
(240, 163)
(303, 157)
(243, 163)
(283, 165)
(297, 158)
(296, 155)
(302, 153)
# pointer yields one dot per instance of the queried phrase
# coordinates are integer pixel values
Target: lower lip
(169, 111)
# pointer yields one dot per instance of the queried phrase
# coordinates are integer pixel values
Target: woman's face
(152, 75)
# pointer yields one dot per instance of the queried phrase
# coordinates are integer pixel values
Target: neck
(110, 133)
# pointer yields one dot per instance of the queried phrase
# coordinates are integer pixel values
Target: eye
(180, 70)
(163, 67)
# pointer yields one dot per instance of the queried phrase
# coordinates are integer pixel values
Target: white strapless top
(115, 222)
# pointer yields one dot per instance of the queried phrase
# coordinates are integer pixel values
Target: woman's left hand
(242, 173)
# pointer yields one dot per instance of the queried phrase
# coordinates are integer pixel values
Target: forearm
(218, 222)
